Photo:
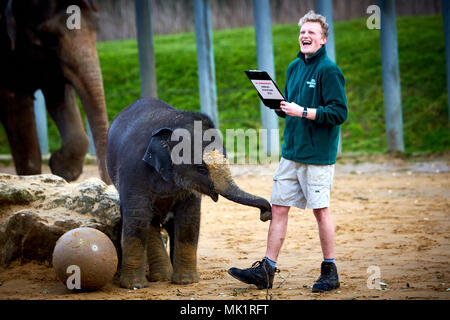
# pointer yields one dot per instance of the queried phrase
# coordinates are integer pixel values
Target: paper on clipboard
(267, 89)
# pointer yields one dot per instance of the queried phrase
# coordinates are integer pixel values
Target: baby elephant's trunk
(224, 185)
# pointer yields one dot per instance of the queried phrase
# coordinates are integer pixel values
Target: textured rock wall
(36, 210)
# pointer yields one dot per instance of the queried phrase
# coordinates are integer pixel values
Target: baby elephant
(161, 160)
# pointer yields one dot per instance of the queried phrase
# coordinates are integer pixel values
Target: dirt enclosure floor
(392, 222)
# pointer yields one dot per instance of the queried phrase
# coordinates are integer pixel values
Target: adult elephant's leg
(68, 160)
(187, 228)
(160, 268)
(80, 65)
(17, 117)
(136, 218)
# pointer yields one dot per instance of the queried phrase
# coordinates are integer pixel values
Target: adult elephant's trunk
(224, 185)
(81, 66)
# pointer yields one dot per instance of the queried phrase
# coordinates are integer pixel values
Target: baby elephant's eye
(201, 168)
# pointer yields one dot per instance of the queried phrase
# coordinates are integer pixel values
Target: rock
(36, 210)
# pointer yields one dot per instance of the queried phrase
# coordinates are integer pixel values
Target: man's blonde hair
(311, 16)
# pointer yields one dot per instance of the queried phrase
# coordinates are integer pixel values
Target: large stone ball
(85, 259)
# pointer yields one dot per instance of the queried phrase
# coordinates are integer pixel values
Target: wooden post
(146, 49)
(91, 139)
(446, 18)
(205, 60)
(325, 8)
(264, 46)
(391, 77)
(40, 115)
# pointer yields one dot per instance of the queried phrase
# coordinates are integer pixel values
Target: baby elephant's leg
(187, 227)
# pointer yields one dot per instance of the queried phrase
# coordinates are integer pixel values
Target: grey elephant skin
(155, 190)
(39, 51)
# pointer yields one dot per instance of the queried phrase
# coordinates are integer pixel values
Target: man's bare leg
(329, 278)
(326, 231)
(262, 273)
(277, 231)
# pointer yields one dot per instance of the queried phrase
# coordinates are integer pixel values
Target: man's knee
(321, 213)
(279, 211)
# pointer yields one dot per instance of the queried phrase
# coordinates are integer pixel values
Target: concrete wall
(117, 17)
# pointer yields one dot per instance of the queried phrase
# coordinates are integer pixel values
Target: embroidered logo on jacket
(312, 83)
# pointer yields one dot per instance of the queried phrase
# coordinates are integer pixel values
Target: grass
(422, 70)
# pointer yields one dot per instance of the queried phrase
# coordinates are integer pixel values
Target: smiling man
(316, 106)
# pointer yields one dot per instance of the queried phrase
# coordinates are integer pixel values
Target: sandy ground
(391, 217)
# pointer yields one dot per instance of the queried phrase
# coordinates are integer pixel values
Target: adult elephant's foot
(65, 165)
(133, 281)
(185, 277)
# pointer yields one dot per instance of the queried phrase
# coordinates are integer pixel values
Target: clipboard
(267, 89)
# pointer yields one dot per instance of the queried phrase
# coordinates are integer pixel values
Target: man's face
(311, 38)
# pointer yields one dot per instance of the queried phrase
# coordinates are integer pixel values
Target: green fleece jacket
(315, 82)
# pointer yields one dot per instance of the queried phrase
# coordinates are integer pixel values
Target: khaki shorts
(299, 184)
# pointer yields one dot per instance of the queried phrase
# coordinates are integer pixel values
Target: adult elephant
(39, 51)
(161, 160)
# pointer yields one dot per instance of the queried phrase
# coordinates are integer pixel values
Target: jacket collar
(316, 56)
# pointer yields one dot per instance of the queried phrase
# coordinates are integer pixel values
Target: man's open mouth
(306, 42)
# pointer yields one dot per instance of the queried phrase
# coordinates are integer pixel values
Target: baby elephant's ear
(158, 153)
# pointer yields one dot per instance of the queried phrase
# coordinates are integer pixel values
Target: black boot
(260, 274)
(328, 279)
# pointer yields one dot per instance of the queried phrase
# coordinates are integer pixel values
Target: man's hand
(294, 110)
(291, 109)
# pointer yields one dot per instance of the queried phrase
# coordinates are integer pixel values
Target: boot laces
(258, 264)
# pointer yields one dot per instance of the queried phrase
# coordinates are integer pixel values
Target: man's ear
(158, 155)
(323, 41)
(11, 26)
